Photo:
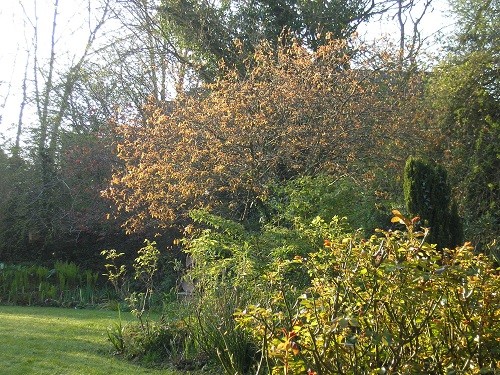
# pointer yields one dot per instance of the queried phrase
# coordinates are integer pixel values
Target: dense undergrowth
(293, 293)
(299, 294)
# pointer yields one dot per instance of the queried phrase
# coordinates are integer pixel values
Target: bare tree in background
(52, 89)
(17, 146)
(410, 14)
(56, 70)
(155, 64)
(137, 64)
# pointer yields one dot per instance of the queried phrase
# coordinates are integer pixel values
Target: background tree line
(177, 104)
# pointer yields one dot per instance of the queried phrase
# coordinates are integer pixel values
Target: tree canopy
(464, 94)
(295, 113)
(209, 29)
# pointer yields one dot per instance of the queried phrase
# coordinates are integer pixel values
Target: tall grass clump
(63, 285)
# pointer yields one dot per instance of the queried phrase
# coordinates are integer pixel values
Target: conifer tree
(428, 195)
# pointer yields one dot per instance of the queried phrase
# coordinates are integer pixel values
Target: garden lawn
(43, 340)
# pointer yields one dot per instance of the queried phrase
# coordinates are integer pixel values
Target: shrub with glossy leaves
(389, 304)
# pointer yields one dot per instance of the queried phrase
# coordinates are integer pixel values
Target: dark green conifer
(428, 195)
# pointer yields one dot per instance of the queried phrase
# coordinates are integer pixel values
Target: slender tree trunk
(402, 35)
(17, 146)
(43, 98)
(52, 92)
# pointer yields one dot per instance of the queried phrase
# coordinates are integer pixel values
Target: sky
(11, 56)
(16, 34)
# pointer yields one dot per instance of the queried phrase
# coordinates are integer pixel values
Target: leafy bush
(387, 304)
(310, 296)
(227, 262)
(229, 267)
(302, 199)
(163, 342)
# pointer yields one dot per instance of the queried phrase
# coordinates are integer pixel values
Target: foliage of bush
(151, 281)
(303, 199)
(230, 259)
(163, 342)
(387, 304)
(145, 267)
(391, 303)
(63, 285)
(315, 295)
(303, 295)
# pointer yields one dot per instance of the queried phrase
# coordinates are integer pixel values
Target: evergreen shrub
(427, 195)
(387, 304)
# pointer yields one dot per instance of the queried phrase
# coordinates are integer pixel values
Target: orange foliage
(294, 113)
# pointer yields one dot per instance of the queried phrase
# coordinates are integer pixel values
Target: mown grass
(43, 340)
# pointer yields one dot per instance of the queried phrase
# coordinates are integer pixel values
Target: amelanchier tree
(297, 112)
